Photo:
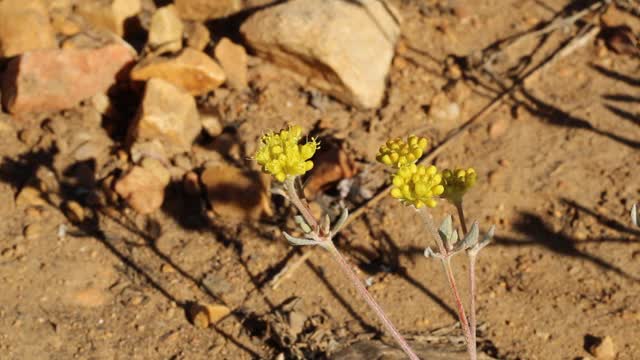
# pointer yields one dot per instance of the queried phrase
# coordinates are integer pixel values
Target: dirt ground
(557, 162)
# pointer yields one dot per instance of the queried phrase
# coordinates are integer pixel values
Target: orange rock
(167, 113)
(110, 15)
(50, 80)
(206, 9)
(25, 27)
(191, 70)
(233, 59)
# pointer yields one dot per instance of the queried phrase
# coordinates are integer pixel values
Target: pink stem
(446, 263)
(472, 306)
(347, 270)
(327, 243)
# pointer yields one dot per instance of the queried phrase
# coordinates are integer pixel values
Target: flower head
(457, 182)
(417, 185)
(397, 152)
(280, 155)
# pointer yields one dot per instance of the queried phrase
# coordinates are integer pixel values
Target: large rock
(191, 70)
(111, 15)
(167, 113)
(206, 9)
(166, 29)
(343, 47)
(24, 26)
(233, 59)
(49, 80)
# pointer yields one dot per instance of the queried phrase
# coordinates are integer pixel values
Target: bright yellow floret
(457, 182)
(417, 185)
(280, 155)
(397, 152)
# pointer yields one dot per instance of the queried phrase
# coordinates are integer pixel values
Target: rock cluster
(82, 55)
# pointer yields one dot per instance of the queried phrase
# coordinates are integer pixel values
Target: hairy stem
(461, 313)
(446, 263)
(472, 283)
(472, 301)
(327, 243)
(362, 290)
(301, 205)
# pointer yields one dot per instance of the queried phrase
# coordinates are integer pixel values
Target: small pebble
(167, 269)
(604, 349)
(32, 231)
(75, 212)
(29, 136)
(211, 124)
(191, 183)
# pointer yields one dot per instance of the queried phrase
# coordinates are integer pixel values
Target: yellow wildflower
(397, 152)
(417, 185)
(280, 155)
(457, 182)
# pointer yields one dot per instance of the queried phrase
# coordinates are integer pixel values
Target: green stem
(463, 222)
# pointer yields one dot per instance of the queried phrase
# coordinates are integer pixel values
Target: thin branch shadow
(387, 259)
(345, 304)
(602, 219)
(18, 172)
(538, 233)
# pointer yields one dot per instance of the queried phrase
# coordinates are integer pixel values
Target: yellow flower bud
(280, 155)
(397, 152)
(457, 182)
(417, 185)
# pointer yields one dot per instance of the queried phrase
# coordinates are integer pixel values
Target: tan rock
(141, 189)
(233, 59)
(63, 24)
(211, 124)
(341, 48)
(197, 35)
(50, 80)
(237, 194)
(166, 29)
(191, 70)
(206, 9)
(111, 15)
(203, 315)
(74, 211)
(30, 196)
(167, 113)
(158, 169)
(604, 349)
(25, 26)
(152, 148)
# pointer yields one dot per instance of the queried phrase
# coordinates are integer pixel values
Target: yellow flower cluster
(417, 185)
(280, 155)
(457, 182)
(397, 153)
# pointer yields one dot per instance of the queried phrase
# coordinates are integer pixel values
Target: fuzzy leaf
(302, 223)
(299, 241)
(446, 228)
(340, 222)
